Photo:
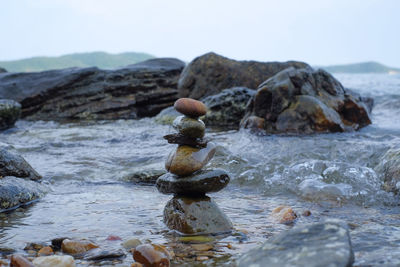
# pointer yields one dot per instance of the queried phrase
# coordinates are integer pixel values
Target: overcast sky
(320, 32)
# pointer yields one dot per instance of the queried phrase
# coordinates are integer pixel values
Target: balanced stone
(185, 160)
(190, 127)
(190, 107)
(196, 216)
(200, 182)
(184, 140)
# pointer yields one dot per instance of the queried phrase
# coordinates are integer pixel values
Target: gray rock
(389, 166)
(15, 192)
(227, 108)
(209, 74)
(319, 244)
(10, 112)
(304, 101)
(145, 176)
(98, 254)
(14, 165)
(193, 128)
(196, 216)
(167, 116)
(3, 70)
(135, 91)
(200, 182)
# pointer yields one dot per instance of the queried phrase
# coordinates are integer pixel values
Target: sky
(319, 32)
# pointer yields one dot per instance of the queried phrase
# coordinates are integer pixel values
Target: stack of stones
(190, 211)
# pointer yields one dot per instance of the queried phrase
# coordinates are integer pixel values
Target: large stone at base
(319, 244)
(9, 113)
(200, 182)
(196, 216)
(389, 167)
(15, 192)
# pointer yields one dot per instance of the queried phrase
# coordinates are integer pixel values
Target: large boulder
(135, 91)
(227, 108)
(9, 113)
(209, 74)
(18, 181)
(306, 101)
(2, 70)
(319, 244)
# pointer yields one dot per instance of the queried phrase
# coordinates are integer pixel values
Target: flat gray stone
(324, 244)
(200, 182)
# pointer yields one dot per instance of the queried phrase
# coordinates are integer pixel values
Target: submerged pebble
(77, 246)
(54, 261)
(151, 255)
(20, 261)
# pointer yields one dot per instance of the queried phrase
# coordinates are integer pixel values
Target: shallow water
(85, 166)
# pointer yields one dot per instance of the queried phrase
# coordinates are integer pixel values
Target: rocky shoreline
(271, 98)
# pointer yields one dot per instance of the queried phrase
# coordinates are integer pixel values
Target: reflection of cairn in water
(190, 211)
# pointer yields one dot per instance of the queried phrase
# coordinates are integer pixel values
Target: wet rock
(57, 242)
(9, 113)
(184, 140)
(193, 128)
(145, 175)
(34, 246)
(20, 261)
(304, 101)
(200, 182)
(167, 116)
(227, 108)
(77, 246)
(196, 216)
(15, 192)
(151, 255)
(190, 107)
(135, 91)
(113, 238)
(3, 70)
(389, 166)
(54, 261)
(14, 165)
(284, 214)
(319, 244)
(136, 264)
(45, 251)
(98, 254)
(131, 243)
(185, 160)
(209, 74)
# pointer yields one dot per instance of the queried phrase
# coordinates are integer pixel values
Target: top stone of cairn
(190, 107)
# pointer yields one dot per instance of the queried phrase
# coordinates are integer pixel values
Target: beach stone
(305, 101)
(131, 243)
(45, 251)
(210, 73)
(195, 216)
(389, 166)
(98, 254)
(10, 112)
(200, 182)
(20, 261)
(151, 255)
(77, 246)
(227, 108)
(54, 261)
(185, 160)
(12, 164)
(193, 128)
(190, 107)
(184, 140)
(318, 244)
(284, 214)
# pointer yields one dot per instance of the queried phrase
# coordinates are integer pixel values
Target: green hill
(98, 59)
(364, 67)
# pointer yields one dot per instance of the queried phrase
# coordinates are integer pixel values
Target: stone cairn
(190, 211)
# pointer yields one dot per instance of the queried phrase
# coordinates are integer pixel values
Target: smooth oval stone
(200, 182)
(189, 127)
(196, 216)
(190, 107)
(54, 261)
(185, 160)
(20, 261)
(151, 255)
